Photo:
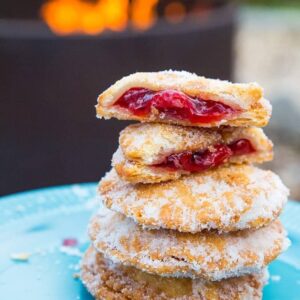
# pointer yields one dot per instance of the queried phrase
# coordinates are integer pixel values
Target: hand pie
(184, 98)
(226, 199)
(107, 280)
(208, 255)
(151, 153)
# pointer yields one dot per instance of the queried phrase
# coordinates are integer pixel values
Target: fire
(142, 15)
(66, 17)
(175, 12)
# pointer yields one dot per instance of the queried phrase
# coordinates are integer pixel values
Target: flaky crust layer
(248, 97)
(170, 253)
(150, 143)
(226, 199)
(106, 280)
(144, 145)
(134, 172)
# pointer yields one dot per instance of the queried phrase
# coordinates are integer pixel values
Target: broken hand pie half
(153, 152)
(184, 98)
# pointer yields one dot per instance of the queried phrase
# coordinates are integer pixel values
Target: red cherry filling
(172, 104)
(200, 161)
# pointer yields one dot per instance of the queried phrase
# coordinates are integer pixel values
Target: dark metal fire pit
(49, 86)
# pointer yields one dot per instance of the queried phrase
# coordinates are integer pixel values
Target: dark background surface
(49, 86)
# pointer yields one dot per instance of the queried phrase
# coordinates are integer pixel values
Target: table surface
(34, 263)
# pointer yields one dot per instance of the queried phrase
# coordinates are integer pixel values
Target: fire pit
(50, 83)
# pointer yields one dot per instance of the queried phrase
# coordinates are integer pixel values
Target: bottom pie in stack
(107, 280)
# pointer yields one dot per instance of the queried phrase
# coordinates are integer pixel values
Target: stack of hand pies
(187, 215)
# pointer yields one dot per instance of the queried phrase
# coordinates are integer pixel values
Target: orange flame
(143, 15)
(78, 16)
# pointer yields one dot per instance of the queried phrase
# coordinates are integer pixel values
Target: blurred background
(56, 56)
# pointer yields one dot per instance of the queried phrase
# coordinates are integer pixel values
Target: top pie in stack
(186, 99)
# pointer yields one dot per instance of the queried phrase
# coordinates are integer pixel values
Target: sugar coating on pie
(171, 253)
(107, 280)
(226, 199)
(180, 97)
(150, 153)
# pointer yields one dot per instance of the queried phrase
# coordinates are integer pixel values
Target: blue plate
(35, 264)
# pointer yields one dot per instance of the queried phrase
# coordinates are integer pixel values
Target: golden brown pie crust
(207, 255)
(144, 145)
(256, 110)
(109, 281)
(226, 199)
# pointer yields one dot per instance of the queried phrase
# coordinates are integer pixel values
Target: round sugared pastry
(186, 99)
(153, 152)
(106, 280)
(171, 253)
(226, 199)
